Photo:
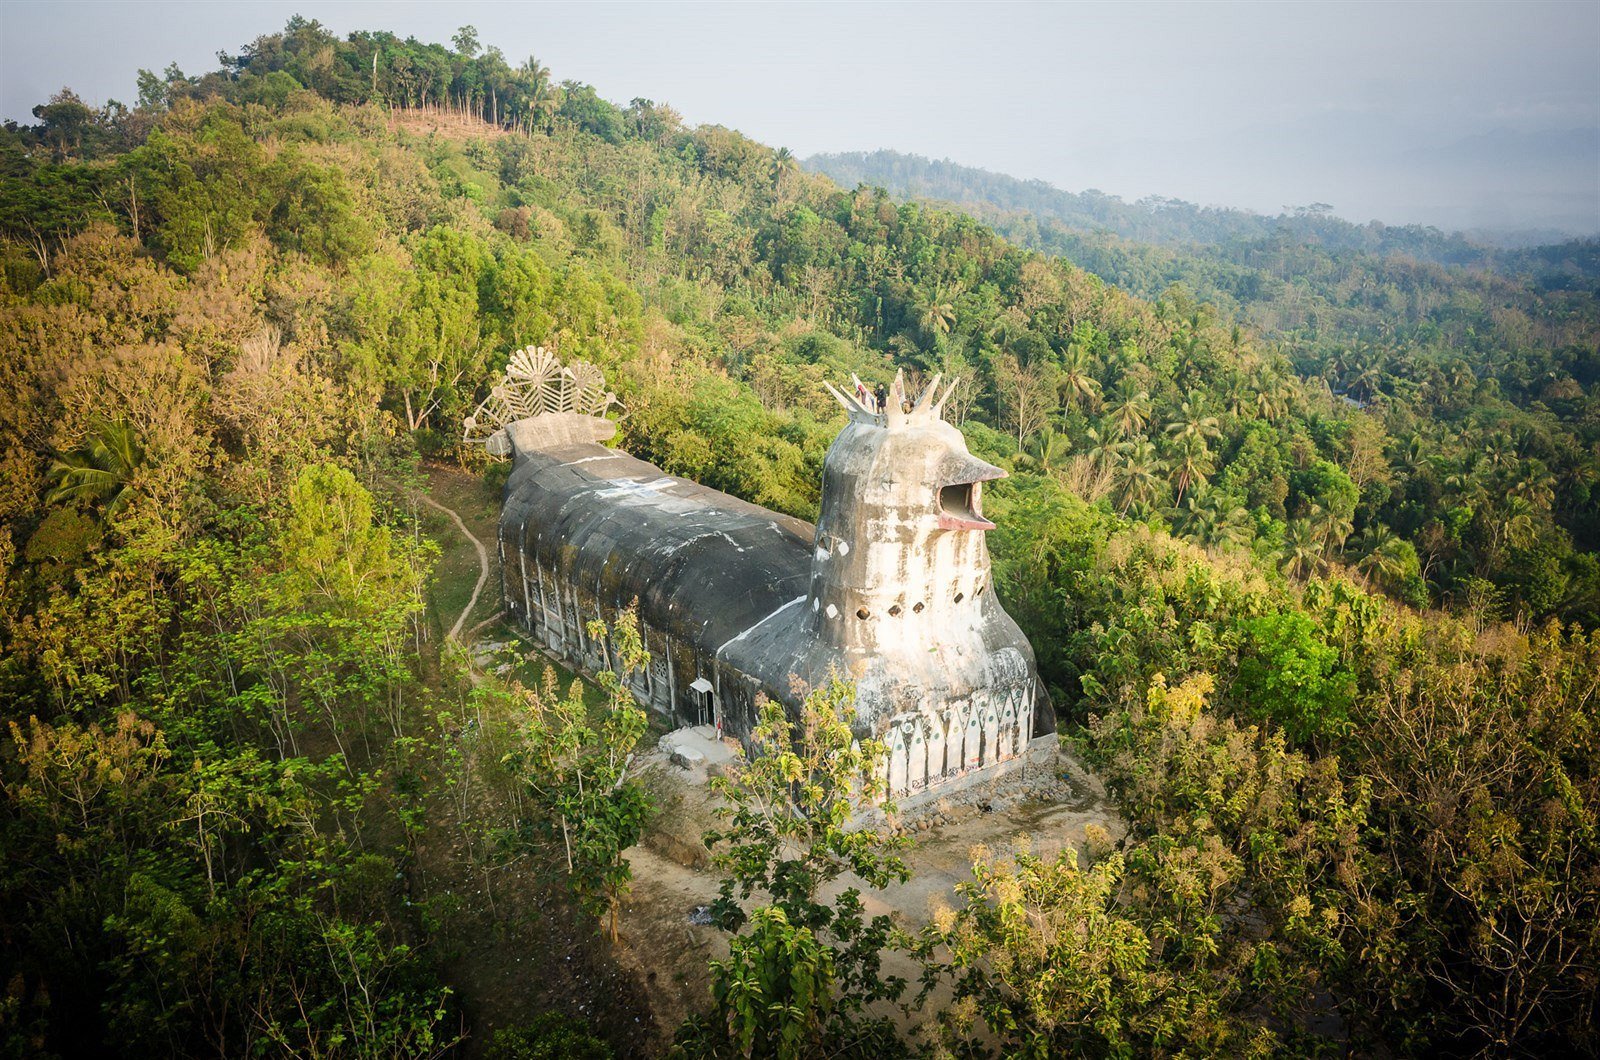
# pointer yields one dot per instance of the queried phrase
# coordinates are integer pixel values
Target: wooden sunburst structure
(536, 382)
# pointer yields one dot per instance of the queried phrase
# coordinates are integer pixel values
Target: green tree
(936, 315)
(1289, 675)
(578, 774)
(1193, 422)
(1303, 553)
(1190, 464)
(548, 1036)
(466, 41)
(1040, 953)
(799, 978)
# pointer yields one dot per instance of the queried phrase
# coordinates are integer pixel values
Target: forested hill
(1235, 258)
(1313, 587)
(1168, 221)
(1370, 310)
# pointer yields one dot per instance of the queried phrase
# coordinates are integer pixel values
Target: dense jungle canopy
(1301, 521)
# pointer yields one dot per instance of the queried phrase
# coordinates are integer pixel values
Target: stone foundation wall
(1041, 755)
(935, 748)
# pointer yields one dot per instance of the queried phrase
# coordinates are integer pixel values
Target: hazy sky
(1458, 114)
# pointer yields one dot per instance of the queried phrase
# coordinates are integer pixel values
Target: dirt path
(509, 939)
(483, 563)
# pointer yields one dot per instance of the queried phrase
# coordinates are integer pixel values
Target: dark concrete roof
(703, 564)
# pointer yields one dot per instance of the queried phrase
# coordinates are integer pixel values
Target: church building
(891, 589)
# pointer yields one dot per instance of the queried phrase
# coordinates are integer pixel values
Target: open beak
(961, 495)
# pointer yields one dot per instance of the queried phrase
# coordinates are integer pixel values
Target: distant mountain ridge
(1249, 266)
(1165, 221)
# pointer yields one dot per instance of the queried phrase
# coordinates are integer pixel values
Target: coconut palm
(1120, 360)
(1466, 482)
(937, 315)
(1104, 446)
(1192, 421)
(1137, 475)
(1209, 518)
(1577, 479)
(543, 97)
(1367, 381)
(1385, 558)
(1302, 549)
(1237, 400)
(1010, 325)
(1412, 455)
(99, 471)
(1519, 525)
(1331, 527)
(782, 162)
(1191, 464)
(1077, 381)
(1535, 485)
(1500, 451)
(1462, 379)
(1230, 526)
(1272, 399)
(1132, 410)
(1048, 448)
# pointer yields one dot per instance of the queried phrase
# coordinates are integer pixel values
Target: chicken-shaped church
(891, 588)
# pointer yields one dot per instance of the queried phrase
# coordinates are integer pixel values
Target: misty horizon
(1480, 117)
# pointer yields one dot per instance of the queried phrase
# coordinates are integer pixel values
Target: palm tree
(1302, 551)
(1191, 464)
(1209, 519)
(1133, 408)
(1238, 400)
(1077, 382)
(1192, 421)
(1138, 476)
(1009, 325)
(1466, 481)
(1231, 526)
(100, 470)
(1331, 527)
(1577, 478)
(1519, 525)
(937, 316)
(1367, 381)
(1336, 366)
(1500, 451)
(1535, 485)
(1104, 447)
(1049, 447)
(544, 98)
(782, 161)
(1413, 454)
(1385, 559)
(1272, 399)
(1122, 359)
(1463, 381)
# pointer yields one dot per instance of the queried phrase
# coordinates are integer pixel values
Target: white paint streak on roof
(758, 625)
